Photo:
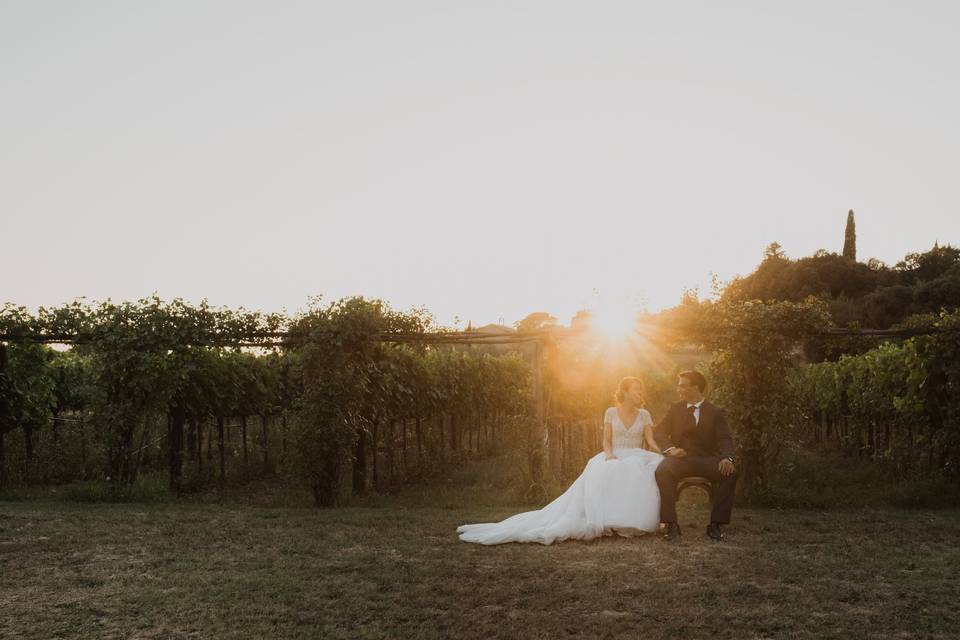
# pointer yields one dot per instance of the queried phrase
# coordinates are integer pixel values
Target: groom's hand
(676, 452)
(726, 467)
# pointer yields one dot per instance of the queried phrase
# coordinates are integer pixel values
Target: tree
(929, 265)
(774, 251)
(850, 238)
(755, 345)
(582, 319)
(823, 274)
(7, 422)
(535, 321)
(341, 368)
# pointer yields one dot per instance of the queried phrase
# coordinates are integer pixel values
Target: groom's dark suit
(706, 443)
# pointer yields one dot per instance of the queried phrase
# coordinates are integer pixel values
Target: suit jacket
(711, 437)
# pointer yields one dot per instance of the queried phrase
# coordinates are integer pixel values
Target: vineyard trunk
(28, 442)
(360, 463)
(403, 425)
(3, 459)
(391, 441)
(283, 441)
(419, 446)
(209, 441)
(143, 439)
(376, 445)
(243, 435)
(220, 449)
(175, 440)
(198, 428)
(263, 437)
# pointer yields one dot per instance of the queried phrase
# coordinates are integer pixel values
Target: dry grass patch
(209, 571)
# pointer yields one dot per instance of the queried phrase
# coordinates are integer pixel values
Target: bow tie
(691, 407)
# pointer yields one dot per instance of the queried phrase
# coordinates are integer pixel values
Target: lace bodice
(628, 436)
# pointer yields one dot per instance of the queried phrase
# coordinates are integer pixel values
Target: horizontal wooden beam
(291, 339)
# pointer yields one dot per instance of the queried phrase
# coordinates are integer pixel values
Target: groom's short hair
(696, 379)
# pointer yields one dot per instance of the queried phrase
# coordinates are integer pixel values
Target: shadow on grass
(144, 490)
(804, 481)
(826, 480)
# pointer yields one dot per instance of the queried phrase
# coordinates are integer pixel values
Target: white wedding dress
(610, 496)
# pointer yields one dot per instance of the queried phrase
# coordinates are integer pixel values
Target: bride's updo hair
(624, 387)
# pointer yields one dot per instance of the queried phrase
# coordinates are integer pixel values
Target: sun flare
(615, 321)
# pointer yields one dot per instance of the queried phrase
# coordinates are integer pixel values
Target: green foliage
(130, 361)
(336, 389)
(535, 321)
(342, 365)
(885, 305)
(354, 385)
(342, 400)
(825, 274)
(928, 265)
(850, 238)
(32, 384)
(895, 404)
(27, 397)
(152, 489)
(146, 359)
(754, 346)
(871, 295)
(889, 411)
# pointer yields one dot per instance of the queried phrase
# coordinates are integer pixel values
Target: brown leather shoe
(714, 532)
(671, 532)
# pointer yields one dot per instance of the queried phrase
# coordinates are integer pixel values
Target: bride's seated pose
(616, 493)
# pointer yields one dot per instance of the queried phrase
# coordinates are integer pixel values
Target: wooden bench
(695, 481)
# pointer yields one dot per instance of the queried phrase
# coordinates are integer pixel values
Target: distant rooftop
(494, 328)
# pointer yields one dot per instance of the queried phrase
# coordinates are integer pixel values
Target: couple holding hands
(628, 489)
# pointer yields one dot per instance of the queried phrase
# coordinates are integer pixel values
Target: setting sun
(615, 321)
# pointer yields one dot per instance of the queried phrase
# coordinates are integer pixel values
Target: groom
(696, 441)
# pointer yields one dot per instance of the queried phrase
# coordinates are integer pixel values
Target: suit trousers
(672, 470)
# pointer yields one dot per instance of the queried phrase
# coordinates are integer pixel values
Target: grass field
(222, 571)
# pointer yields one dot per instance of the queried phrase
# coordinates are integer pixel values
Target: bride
(616, 493)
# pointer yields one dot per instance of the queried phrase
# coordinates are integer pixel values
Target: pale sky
(483, 159)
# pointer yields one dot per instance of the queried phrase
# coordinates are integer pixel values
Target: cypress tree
(850, 238)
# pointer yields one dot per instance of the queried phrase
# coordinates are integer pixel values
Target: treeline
(870, 294)
(212, 396)
(839, 405)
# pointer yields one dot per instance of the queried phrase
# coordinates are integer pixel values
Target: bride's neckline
(624, 424)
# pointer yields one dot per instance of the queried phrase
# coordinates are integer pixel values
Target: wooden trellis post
(3, 426)
(539, 436)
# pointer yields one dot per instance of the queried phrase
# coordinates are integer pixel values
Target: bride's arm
(608, 441)
(651, 441)
(648, 435)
